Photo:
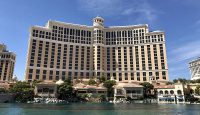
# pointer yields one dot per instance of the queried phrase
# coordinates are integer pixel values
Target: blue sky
(180, 19)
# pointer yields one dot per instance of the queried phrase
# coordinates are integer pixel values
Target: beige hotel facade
(70, 51)
(7, 63)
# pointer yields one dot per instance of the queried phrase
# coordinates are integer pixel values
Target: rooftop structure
(170, 93)
(125, 90)
(93, 90)
(46, 89)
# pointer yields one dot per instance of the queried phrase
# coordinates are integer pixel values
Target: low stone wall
(6, 98)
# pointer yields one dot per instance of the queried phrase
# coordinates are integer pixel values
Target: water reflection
(99, 109)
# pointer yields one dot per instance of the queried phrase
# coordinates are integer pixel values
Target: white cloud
(177, 68)
(144, 10)
(187, 51)
(138, 10)
(100, 6)
(128, 11)
(181, 55)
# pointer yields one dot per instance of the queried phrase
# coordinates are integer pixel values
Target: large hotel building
(7, 63)
(71, 51)
(194, 67)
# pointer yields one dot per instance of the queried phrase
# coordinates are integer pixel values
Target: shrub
(91, 82)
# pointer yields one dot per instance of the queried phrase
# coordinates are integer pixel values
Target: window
(166, 92)
(144, 79)
(30, 76)
(172, 92)
(30, 70)
(126, 76)
(132, 76)
(179, 92)
(161, 92)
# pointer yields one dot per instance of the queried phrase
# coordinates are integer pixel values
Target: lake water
(99, 109)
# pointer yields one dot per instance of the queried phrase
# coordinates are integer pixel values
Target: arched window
(171, 92)
(161, 92)
(166, 92)
(179, 92)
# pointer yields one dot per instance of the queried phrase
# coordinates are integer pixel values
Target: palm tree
(147, 89)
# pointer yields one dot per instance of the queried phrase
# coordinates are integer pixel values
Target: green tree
(92, 82)
(103, 78)
(175, 80)
(34, 82)
(147, 87)
(187, 91)
(68, 81)
(182, 80)
(190, 98)
(197, 80)
(65, 90)
(82, 97)
(192, 81)
(109, 85)
(23, 92)
(102, 98)
(197, 90)
(3, 90)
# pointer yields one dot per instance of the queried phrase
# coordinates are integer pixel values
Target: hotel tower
(7, 63)
(194, 67)
(72, 51)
